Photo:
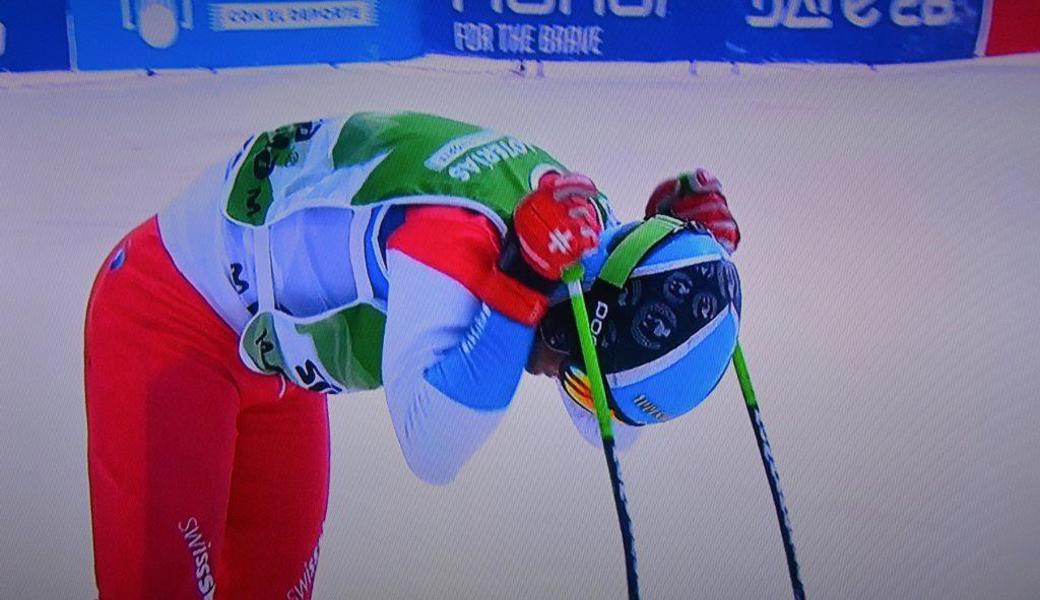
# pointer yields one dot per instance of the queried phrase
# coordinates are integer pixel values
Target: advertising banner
(645, 30)
(123, 34)
(870, 31)
(865, 31)
(33, 35)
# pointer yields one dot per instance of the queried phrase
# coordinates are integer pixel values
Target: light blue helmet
(664, 302)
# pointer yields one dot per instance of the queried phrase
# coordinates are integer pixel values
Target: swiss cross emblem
(560, 241)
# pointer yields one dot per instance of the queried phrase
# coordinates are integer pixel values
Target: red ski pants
(204, 483)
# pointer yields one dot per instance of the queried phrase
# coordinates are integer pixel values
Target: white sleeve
(428, 315)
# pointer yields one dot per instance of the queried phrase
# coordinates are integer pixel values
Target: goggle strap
(624, 258)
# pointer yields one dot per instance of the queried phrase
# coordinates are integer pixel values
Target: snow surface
(891, 224)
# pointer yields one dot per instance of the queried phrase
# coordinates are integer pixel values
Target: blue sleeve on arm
(483, 371)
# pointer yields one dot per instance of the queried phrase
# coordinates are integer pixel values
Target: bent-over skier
(404, 250)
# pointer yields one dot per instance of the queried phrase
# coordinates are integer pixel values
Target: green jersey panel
(361, 163)
(423, 155)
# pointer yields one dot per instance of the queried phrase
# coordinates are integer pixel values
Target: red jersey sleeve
(465, 246)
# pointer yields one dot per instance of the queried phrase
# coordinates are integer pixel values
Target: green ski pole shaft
(751, 402)
(572, 277)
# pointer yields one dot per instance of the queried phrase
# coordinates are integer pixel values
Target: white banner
(267, 16)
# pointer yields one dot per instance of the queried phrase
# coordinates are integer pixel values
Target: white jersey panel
(310, 254)
(194, 232)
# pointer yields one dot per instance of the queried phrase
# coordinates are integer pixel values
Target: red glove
(697, 197)
(557, 223)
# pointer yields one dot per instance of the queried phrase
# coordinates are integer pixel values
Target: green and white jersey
(285, 243)
(375, 158)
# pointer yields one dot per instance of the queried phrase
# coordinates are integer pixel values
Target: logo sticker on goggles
(576, 385)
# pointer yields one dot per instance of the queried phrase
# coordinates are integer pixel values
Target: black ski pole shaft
(628, 540)
(772, 475)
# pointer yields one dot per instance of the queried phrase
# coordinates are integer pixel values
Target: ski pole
(771, 473)
(572, 277)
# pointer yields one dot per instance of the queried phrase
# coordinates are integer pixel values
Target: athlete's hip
(139, 295)
(206, 250)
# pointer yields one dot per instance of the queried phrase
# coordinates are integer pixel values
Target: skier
(403, 250)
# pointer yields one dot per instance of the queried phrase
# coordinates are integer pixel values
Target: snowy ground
(891, 227)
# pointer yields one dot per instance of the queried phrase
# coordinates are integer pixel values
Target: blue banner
(33, 35)
(125, 34)
(868, 31)
(644, 30)
(863, 31)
